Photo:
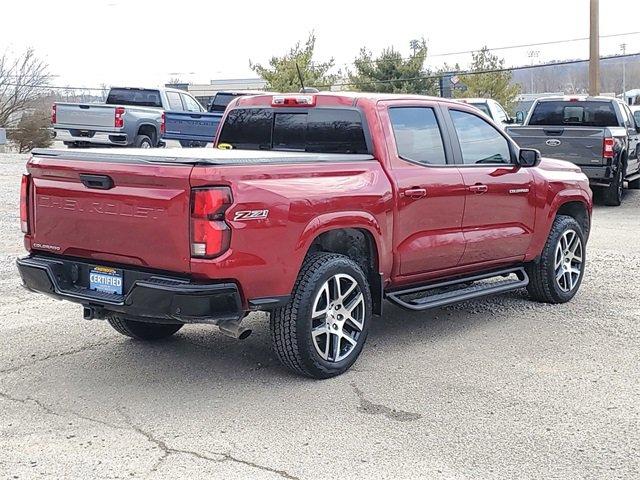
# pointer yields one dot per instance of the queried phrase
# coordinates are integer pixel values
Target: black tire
(543, 286)
(612, 195)
(635, 184)
(71, 144)
(142, 141)
(143, 330)
(291, 325)
(190, 144)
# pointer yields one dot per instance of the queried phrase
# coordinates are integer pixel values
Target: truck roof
(346, 97)
(579, 98)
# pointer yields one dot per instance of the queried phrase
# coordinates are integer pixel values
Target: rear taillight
(24, 203)
(210, 235)
(53, 113)
(118, 120)
(162, 124)
(607, 147)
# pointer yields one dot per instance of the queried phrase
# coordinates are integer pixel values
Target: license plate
(105, 279)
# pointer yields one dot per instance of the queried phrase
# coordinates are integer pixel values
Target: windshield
(221, 100)
(319, 130)
(135, 97)
(580, 114)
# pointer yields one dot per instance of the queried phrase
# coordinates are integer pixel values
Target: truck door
(430, 192)
(633, 153)
(500, 205)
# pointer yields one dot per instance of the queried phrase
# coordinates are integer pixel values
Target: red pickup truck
(315, 208)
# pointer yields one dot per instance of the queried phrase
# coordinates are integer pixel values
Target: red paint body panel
(144, 220)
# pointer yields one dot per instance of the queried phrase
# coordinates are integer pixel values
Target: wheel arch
(149, 130)
(356, 235)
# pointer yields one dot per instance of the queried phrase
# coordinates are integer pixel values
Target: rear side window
(319, 130)
(417, 135)
(636, 115)
(174, 101)
(579, 114)
(136, 97)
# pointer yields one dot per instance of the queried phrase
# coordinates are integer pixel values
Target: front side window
(417, 135)
(636, 115)
(480, 142)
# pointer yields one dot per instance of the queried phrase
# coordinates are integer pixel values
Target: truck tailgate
(135, 214)
(193, 126)
(579, 145)
(85, 115)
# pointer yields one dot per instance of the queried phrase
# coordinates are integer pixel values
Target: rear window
(221, 100)
(135, 97)
(318, 130)
(580, 114)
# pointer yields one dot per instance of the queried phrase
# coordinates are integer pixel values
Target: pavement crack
(166, 451)
(367, 406)
(52, 356)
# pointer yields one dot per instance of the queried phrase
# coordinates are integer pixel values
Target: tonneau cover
(198, 156)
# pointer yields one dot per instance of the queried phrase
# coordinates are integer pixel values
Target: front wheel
(556, 275)
(321, 331)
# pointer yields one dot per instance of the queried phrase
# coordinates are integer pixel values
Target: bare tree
(22, 80)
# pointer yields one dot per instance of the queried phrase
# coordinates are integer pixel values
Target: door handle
(415, 192)
(478, 188)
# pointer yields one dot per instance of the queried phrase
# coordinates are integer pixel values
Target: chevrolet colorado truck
(314, 208)
(599, 134)
(130, 117)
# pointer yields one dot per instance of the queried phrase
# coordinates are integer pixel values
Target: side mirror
(510, 121)
(528, 157)
(519, 117)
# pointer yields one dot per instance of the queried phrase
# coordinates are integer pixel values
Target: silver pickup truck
(599, 134)
(130, 117)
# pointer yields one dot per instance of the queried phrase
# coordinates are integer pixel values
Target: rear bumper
(148, 295)
(598, 175)
(94, 137)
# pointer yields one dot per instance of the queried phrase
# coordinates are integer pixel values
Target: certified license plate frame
(106, 280)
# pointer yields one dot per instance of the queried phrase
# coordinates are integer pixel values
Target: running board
(633, 177)
(458, 290)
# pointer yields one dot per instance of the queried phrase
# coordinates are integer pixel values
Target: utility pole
(594, 48)
(623, 49)
(532, 54)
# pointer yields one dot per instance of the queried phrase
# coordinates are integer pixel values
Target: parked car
(193, 127)
(492, 109)
(130, 117)
(599, 134)
(318, 208)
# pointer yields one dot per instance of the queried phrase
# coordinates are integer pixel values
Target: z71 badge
(243, 215)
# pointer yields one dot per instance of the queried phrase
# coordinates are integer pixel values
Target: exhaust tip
(244, 334)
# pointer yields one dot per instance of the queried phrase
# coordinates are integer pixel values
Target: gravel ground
(494, 389)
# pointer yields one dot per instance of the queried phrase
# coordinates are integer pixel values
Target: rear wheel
(143, 330)
(142, 141)
(612, 195)
(556, 276)
(322, 330)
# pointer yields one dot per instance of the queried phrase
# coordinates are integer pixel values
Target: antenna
(300, 78)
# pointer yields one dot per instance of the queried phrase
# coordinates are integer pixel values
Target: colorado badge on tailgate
(105, 279)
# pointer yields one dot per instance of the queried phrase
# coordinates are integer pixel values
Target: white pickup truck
(130, 117)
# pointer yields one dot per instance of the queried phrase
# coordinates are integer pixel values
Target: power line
(476, 72)
(508, 47)
(421, 77)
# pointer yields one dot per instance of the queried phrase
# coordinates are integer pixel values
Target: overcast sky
(145, 42)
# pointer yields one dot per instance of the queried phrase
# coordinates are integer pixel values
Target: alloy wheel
(337, 318)
(568, 260)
